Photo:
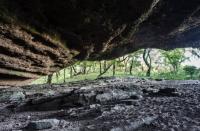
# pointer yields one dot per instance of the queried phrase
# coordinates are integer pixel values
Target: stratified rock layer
(39, 37)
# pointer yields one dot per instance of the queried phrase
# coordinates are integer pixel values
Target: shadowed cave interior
(106, 65)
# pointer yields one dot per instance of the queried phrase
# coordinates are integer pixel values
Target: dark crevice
(12, 77)
(4, 66)
(38, 38)
(32, 48)
(8, 52)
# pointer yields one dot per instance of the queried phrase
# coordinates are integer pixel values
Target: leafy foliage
(190, 70)
(196, 52)
(174, 58)
(129, 65)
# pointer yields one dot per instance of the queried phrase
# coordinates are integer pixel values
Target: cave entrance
(153, 85)
(177, 64)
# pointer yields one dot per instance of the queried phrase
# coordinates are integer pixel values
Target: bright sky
(193, 60)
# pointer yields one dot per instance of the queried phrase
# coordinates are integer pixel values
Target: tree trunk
(57, 76)
(49, 79)
(100, 67)
(108, 67)
(148, 74)
(114, 67)
(89, 70)
(104, 65)
(74, 69)
(71, 72)
(147, 60)
(126, 60)
(64, 76)
(131, 67)
(84, 67)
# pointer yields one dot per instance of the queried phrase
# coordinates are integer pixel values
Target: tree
(64, 77)
(190, 70)
(71, 71)
(147, 61)
(100, 67)
(125, 63)
(196, 52)
(57, 76)
(134, 62)
(104, 64)
(105, 70)
(114, 66)
(174, 58)
(49, 79)
(84, 67)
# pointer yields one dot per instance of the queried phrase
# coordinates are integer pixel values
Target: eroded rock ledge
(109, 104)
(38, 37)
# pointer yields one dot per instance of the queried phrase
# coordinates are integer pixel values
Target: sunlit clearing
(178, 64)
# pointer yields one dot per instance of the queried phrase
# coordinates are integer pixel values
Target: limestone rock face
(39, 37)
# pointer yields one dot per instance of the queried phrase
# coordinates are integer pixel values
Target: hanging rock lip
(51, 35)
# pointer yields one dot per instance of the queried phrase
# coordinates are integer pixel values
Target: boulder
(43, 124)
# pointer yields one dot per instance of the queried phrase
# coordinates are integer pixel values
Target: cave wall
(39, 37)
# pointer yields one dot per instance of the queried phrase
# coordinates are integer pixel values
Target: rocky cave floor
(106, 104)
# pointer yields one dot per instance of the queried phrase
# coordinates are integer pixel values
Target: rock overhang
(39, 37)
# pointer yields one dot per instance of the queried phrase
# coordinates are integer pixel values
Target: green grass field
(180, 75)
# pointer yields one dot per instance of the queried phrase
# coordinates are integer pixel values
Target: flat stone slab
(43, 124)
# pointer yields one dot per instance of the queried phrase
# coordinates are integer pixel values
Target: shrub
(190, 70)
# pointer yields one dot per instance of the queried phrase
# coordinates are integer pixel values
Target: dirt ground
(106, 104)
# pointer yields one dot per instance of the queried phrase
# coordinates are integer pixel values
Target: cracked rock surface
(106, 104)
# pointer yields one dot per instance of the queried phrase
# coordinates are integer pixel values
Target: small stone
(194, 128)
(119, 108)
(171, 129)
(135, 125)
(28, 117)
(136, 97)
(167, 90)
(117, 129)
(93, 106)
(17, 96)
(91, 127)
(104, 97)
(43, 124)
(11, 96)
(130, 102)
